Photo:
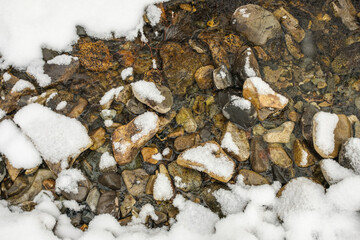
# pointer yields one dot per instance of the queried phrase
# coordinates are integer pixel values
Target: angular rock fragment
(186, 119)
(128, 139)
(184, 142)
(204, 77)
(290, 23)
(151, 155)
(208, 157)
(235, 143)
(293, 48)
(185, 179)
(256, 23)
(107, 203)
(263, 97)
(280, 134)
(218, 52)
(252, 178)
(259, 157)
(246, 65)
(278, 156)
(347, 12)
(222, 77)
(135, 181)
(61, 70)
(111, 180)
(94, 56)
(126, 205)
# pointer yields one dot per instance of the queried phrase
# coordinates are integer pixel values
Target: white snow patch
(335, 171)
(62, 60)
(154, 65)
(250, 72)
(204, 155)
(166, 151)
(54, 94)
(229, 144)
(108, 122)
(55, 136)
(127, 72)
(179, 183)
(2, 113)
(36, 69)
(304, 156)
(240, 102)
(68, 179)
(144, 123)
(157, 156)
(21, 85)
(147, 90)
(61, 105)
(263, 88)
(154, 14)
(162, 188)
(72, 205)
(352, 152)
(106, 161)
(244, 12)
(122, 147)
(6, 77)
(325, 127)
(18, 148)
(110, 95)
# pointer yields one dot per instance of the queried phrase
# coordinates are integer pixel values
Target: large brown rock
(256, 23)
(208, 157)
(127, 140)
(94, 56)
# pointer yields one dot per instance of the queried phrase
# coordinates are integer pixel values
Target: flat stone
(222, 77)
(280, 134)
(263, 97)
(186, 119)
(162, 107)
(204, 157)
(124, 148)
(256, 23)
(293, 47)
(79, 108)
(259, 157)
(278, 156)
(184, 142)
(61, 73)
(92, 198)
(107, 203)
(127, 204)
(235, 143)
(98, 138)
(111, 180)
(188, 180)
(148, 153)
(135, 181)
(302, 155)
(290, 23)
(253, 178)
(204, 77)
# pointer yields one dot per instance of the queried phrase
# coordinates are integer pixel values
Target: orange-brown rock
(98, 138)
(253, 178)
(278, 156)
(204, 77)
(94, 56)
(148, 153)
(184, 142)
(127, 140)
(293, 47)
(290, 23)
(302, 156)
(79, 108)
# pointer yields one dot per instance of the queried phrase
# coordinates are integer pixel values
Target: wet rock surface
(248, 79)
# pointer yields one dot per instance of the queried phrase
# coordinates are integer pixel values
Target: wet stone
(242, 115)
(280, 134)
(302, 155)
(149, 155)
(279, 156)
(92, 198)
(107, 203)
(94, 56)
(204, 77)
(259, 157)
(135, 107)
(290, 23)
(186, 119)
(61, 73)
(283, 175)
(186, 179)
(110, 180)
(209, 198)
(127, 204)
(246, 64)
(306, 122)
(222, 77)
(347, 61)
(83, 190)
(184, 142)
(252, 178)
(98, 138)
(135, 181)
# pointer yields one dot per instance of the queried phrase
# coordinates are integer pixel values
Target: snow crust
(126, 73)
(68, 179)
(6, 77)
(240, 102)
(147, 90)
(44, 24)
(325, 127)
(153, 13)
(162, 188)
(18, 148)
(334, 171)
(22, 85)
(55, 136)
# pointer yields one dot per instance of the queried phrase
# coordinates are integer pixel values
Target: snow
(304, 156)
(72, 205)
(127, 72)
(162, 188)
(244, 13)
(145, 123)
(61, 105)
(334, 172)
(62, 60)
(154, 65)
(325, 127)
(6, 77)
(52, 95)
(106, 161)
(352, 152)
(36, 69)
(22, 85)
(178, 182)
(44, 25)
(345, 195)
(110, 95)
(68, 179)
(2, 113)
(55, 136)
(157, 156)
(153, 13)
(240, 102)
(204, 155)
(147, 210)
(122, 147)
(108, 123)
(229, 144)
(147, 90)
(248, 69)
(263, 88)
(18, 149)
(166, 151)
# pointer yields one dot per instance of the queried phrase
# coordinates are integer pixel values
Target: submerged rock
(256, 23)
(111, 180)
(259, 157)
(94, 56)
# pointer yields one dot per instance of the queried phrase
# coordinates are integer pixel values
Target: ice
(204, 155)
(325, 127)
(110, 95)
(263, 88)
(162, 188)
(22, 85)
(62, 60)
(228, 144)
(106, 161)
(68, 179)
(44, 25)
(36, 69)
(18, 148)
(147, 90)
(144, 123)
(6, 77)
(126, 73)
(352, 152)
(2, 113)
(334, 171)
(55, 136)
(153, 13)
(61, 105)
(240, 102)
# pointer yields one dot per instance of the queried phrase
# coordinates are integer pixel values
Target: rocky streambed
(265, 90)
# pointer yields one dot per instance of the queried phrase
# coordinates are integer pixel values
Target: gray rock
(111, 180)
(93, 198)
